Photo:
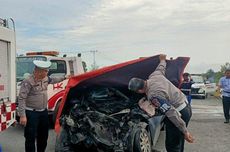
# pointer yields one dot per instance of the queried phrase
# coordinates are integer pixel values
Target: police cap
(42, 64)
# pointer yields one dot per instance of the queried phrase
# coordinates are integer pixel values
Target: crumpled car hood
(118, 76)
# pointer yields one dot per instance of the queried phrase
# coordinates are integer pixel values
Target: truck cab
(7, 74)
(60, 66)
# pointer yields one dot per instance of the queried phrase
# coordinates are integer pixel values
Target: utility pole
(94, 58)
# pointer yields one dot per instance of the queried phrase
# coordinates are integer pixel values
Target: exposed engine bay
(103, 119)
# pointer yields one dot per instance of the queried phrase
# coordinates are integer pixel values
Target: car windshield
(25, 66)
(197, 79)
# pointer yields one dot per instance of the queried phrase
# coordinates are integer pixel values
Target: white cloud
(123, 29)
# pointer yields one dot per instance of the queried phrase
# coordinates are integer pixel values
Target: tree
(224, 67)
(210, 73)
(219, 74)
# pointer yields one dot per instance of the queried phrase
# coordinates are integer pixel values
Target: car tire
(56, 112)
(205, 96)
(142, 141)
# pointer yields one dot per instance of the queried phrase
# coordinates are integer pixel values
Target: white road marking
(206, 109)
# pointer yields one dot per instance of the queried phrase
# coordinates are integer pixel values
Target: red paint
(13, 107)
(3, 125)
(8, 116)
(57, 86)
(52, 101)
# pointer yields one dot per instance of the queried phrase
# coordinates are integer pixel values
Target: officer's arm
(23, 93)
(53, 80)
(161, 68)
(174, 116)
(220, 83)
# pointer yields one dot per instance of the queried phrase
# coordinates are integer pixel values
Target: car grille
(194, 90)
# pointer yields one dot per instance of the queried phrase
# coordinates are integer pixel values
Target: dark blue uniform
(186, 89)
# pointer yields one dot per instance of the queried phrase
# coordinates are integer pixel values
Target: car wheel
(205, 96)
(56, 111)
(142, 142)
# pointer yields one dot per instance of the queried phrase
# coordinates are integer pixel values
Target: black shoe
(226, 121)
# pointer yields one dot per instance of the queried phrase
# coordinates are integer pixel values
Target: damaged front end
(102, 119)
(99, 113)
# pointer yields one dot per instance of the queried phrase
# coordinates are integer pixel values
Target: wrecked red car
(99, 113)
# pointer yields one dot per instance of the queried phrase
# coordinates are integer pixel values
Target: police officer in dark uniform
(186, 86)
(32, 106)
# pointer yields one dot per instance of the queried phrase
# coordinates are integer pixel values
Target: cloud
(122, 30)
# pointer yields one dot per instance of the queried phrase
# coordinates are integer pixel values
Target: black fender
(155, 124)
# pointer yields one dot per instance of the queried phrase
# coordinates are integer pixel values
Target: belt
(185, 89)
(38, 110)
(226, 91)
(182, 106)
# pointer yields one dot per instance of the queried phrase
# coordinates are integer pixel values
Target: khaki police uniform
(33, 95)
(32, 103)
(178, 116)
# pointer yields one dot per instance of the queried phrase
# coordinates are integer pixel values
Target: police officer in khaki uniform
(32, 106)
(170, 101)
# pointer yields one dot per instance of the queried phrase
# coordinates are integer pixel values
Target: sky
(122, 30)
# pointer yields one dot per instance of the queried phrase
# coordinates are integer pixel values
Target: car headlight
(201, 90)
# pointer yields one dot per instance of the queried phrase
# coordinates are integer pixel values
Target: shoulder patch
(161, 104)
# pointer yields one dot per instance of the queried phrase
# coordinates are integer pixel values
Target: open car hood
(118, 76)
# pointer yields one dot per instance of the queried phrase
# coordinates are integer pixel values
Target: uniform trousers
(36, 130)
(226, 107)
(174, 137)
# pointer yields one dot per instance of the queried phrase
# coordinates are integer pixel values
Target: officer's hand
(188, 137)
(23, 120)
(68, 76)
(162, 57)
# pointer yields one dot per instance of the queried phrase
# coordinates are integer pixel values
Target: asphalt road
(207, 126)
(211, 134)
(12, 140)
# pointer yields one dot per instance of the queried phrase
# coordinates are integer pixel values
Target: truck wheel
(142, 141)
(56, 111)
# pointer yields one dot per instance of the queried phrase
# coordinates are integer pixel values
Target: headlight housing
(201, 90)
